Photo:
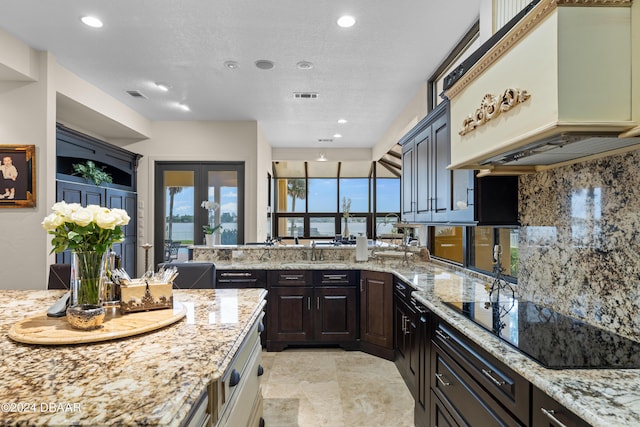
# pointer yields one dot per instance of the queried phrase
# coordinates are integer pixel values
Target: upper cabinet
(556, 88)
(433, 193)
(72, 148)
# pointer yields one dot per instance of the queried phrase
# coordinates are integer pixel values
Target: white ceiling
(365, 74)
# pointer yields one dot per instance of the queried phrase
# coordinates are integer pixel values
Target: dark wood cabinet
(545, 411)
(86, 194)
(73, 147)
(423, 375)
(431, 193)
(376, 313)
(406, 338)
(307, 307)
(231, 279)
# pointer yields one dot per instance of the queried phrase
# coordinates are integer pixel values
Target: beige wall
(27, 112)
(205, 141)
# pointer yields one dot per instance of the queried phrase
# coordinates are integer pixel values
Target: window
(448, 243)
(180, 188)
(313, 207)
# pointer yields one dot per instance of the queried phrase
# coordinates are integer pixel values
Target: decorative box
(139, 295)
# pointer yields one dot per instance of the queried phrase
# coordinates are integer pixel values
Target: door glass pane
(462, 194)
(178, 208)
(222, 188)
(323, 195)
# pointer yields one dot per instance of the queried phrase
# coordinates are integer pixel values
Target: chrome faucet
(313, 250)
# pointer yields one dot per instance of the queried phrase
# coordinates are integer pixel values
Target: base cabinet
(312, 308)
(376, 313)
(545, 411)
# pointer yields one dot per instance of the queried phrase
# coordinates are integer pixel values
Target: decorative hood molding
(576, 66)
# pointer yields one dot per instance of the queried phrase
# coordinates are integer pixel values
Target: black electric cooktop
(554, 340)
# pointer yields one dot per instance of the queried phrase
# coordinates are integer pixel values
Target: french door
(180, 190)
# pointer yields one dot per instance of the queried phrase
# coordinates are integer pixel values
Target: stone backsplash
(580, 241)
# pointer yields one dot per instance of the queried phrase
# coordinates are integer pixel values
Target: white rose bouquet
(89, 229)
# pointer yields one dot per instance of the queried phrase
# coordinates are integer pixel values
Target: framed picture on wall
(17, 176)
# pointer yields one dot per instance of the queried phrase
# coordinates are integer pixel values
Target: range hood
(555, 89)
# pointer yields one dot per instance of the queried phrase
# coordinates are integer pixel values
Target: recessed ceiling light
(342, 121)
(304, 65)
(91, 21)
(346, 21)
(232, 65)
(337, 135)
(183, 107)
(162, 86)
(264, 64)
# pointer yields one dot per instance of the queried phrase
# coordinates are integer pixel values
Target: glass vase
(87, 277)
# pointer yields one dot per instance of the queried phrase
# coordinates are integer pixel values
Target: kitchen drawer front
(335, 278)
(402, 289)
(464, 399)
(241, 279)
(504, 384)
(290, 278)
(545, 411)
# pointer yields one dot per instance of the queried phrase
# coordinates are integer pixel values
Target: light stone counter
(150, 379)
(602, 397)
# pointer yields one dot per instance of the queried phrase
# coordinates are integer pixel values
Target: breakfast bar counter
(156, 378)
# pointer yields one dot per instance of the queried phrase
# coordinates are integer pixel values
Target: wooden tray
(45, 330)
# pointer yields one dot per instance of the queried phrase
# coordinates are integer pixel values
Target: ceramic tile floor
(333, 388)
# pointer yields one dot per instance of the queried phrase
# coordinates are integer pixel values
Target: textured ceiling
(366, 74)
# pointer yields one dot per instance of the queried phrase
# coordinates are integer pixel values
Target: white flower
(82, 217)
(107, 220)
(122, 215)
(52, 221)
(209, 205)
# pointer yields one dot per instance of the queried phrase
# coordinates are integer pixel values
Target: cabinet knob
(260, 370)
(234, 378)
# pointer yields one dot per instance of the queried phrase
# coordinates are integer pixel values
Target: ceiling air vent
(305, 95)
(136, 94)
(325, 140)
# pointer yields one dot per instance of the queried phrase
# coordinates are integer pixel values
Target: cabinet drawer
(505, 385)
(545, 411)
(290, 278)
(335, 277)
(464, 399)
(240, 278)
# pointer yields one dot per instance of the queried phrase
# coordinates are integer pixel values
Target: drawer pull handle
(260, 370)
(234, 379)
(335, 276)
(441, 381)
(407, 321)
(236, 274)
(442, 335)
(491, 377)
(291, 277)
(550, 413)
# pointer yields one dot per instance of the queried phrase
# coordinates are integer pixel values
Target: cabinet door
(128, 201)
(545, 411)
(407, 181)
(423, 173)
(289, 317)
(423, 376)
(376, 305)
(440, 417)
(441, 186)
(335, 314)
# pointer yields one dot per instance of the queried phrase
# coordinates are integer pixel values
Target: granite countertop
(602, 397)
(149, 379)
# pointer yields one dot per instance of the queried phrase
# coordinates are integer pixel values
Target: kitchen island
(601, 397)
(157, 378)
